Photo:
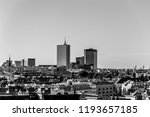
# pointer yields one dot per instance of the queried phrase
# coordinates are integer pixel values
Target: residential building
(105, 90)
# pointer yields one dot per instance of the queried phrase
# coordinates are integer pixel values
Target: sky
(118, 29)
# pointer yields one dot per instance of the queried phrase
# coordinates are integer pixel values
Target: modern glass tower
(90, 57)
(63, 55)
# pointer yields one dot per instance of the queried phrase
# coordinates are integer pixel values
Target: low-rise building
(105, 90)
(17, 63)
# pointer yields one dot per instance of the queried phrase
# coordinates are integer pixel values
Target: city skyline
(119, 30)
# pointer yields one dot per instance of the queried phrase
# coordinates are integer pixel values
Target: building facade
(17, 63)
(63, 55)
(90, 57)
(31, 62)
(23, 63)
(105, 90)
(80, 60)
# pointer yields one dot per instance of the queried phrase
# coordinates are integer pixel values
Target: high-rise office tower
(63, 55)
(31, 62)
(90, 57)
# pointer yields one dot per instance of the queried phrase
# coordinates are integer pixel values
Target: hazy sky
(118, 29)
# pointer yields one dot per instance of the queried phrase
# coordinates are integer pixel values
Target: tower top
(65, 41)
(9, 57)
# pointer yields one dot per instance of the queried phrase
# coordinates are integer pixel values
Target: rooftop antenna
(9, 56)
(65, 40)
(143, 67)
(9, 63)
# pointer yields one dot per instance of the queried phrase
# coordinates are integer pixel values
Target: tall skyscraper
(31, 62)
(90, 57)
(63, 55)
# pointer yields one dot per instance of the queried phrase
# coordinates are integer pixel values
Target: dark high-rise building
(80, 60)
(90, 57)
(63, 55)
(31, 62)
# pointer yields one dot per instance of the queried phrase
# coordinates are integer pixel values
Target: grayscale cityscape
(80, 80)
(74, 50)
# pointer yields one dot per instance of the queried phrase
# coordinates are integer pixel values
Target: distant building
(90, 57)
(31, 62)
(23, 63)
(8, 65)
(80, 60)
(48, 69)
(63, 55)
(17, 63)
(86, 67)
(19, 66)
(73, 65)
(131, 86)
(48, 66)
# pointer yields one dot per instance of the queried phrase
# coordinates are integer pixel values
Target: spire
(65, 40)
(9, 63)
(9, 57)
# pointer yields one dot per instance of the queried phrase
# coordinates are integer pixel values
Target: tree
(83, 74)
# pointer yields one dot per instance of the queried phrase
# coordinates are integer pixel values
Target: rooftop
(102, 83)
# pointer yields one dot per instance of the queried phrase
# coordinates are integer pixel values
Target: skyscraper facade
(63, 55)
(90, 57)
